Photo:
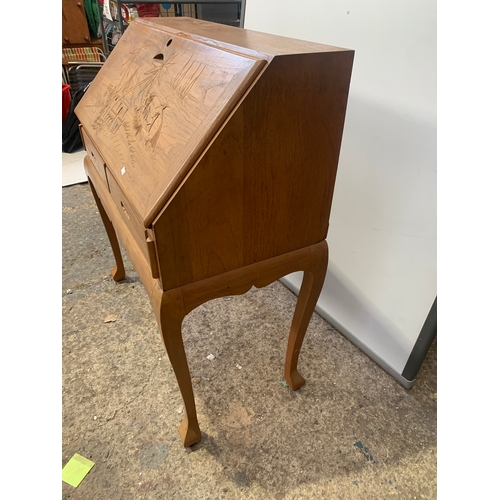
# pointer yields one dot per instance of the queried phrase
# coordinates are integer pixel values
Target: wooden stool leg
(118, 272)
(170, 316)
(310, 290)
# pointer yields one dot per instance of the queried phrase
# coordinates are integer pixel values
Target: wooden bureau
(212, 153)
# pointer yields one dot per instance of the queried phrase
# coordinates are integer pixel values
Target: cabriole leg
(118, 272)
(170, 316)
(310, 290)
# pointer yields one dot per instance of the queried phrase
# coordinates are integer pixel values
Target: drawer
(94, 155)
(129, 216)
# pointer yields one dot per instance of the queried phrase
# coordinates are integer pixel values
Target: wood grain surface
(264, 185)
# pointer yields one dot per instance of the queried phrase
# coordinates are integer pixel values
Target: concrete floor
(351, 432)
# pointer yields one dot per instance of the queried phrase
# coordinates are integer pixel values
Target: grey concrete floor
(351, 432)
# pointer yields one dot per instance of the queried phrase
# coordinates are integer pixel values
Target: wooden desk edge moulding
(212, 153)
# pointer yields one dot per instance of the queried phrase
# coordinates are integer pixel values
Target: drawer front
(94, 155)
(129, 217)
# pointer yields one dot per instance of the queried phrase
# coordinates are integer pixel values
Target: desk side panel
(264, 186)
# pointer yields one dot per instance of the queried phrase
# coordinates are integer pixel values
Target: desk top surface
(265, 43)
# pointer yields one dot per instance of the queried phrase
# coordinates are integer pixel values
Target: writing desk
(212, 154)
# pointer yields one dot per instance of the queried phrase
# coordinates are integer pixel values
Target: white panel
(381, 280)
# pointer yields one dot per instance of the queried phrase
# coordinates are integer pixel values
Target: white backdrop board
(381, 281)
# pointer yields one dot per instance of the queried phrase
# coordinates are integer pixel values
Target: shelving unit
(82, 49)
(230, 12)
